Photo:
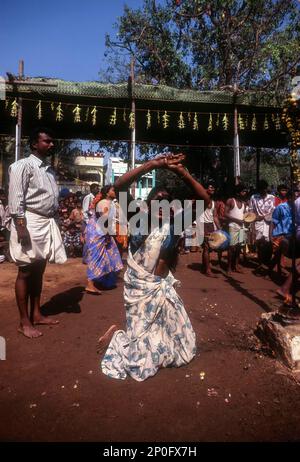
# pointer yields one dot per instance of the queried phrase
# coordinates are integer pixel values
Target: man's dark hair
(209, 183)
(35, 134)
(262, 185)
(94, 186)
(239, 188)
(282, 186)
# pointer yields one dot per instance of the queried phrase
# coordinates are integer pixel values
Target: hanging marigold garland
(181, 122)
(165, 118)
(39, 108)
(94, 115)
(14, 108)
(59, 113)
(291, 120)
(195, 122)
(132, 120)
(225, 122)
(148, 120)
(113, 117)
(76, 112)
(210, 123)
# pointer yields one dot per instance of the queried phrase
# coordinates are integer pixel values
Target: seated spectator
(77, 213)
(4, 227)
(64, 221)
(73, 241)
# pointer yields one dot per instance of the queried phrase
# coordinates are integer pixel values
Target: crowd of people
(45, 226)
(254, 222)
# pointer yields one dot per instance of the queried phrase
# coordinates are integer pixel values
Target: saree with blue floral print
(159, 333)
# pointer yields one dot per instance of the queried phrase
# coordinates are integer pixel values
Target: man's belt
(29, 209)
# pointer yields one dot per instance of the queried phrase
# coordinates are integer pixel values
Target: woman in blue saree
(102, 254)
(159, 332)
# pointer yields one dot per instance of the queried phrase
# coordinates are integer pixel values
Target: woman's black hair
(154, 191)
(105, 190)
(171, 258)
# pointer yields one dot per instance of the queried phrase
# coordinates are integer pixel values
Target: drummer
(234, 213)
(211, 223)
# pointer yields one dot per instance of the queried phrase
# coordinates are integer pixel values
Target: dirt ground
(52, 389)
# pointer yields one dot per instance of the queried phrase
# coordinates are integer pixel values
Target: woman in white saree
(158, 330)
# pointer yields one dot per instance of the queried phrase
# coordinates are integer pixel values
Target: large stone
(284, 340)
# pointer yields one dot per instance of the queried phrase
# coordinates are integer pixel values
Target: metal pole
(131, 164)
(133, 130)
(236, 146)
(236, 149)
(19, 120)
(258, 152)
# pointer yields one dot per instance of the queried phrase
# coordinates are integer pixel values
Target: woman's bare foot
(29, 331)
(93, 291)
(44, 320)
(105, 339)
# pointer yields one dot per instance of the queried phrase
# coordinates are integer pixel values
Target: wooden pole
(19, 119)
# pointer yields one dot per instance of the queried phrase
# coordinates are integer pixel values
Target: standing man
(35, 237)
(234, 212)
(87, 201)
(262, 204)
(211, 223)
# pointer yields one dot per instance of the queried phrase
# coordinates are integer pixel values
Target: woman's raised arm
(128, 178)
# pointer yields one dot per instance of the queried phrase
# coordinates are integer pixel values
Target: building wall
(116, 167)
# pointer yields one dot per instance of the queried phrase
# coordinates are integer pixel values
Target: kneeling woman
(159, 332)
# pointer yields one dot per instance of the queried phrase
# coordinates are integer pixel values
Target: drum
(249, 217)
(219, 240)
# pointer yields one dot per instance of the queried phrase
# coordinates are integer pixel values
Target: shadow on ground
(64, 302)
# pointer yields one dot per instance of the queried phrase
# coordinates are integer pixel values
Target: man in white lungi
(35, 237)
(263, 205)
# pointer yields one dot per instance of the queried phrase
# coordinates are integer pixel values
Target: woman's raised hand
(166, 160)
(174, 163)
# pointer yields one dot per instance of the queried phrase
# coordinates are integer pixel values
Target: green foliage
(207, 45)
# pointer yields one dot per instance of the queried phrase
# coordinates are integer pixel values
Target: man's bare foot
(209, 274)
(288, 300)
(105, 339)
(239, 270)
(44, 320)
(29, 331)
(282, 293)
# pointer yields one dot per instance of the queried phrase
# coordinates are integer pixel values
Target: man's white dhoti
(262, 229)
(46, 241)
